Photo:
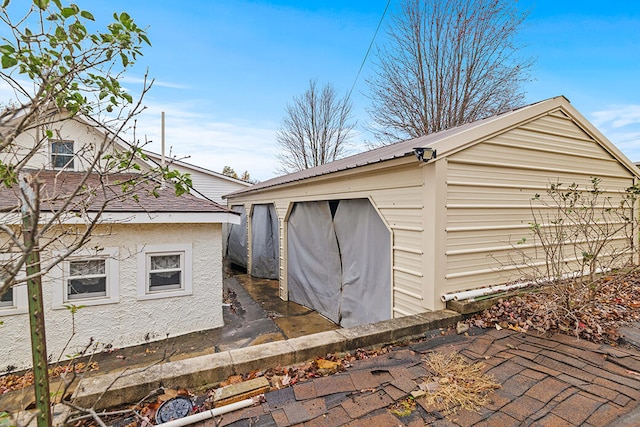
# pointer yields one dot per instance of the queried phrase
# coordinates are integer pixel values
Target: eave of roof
(149, 199)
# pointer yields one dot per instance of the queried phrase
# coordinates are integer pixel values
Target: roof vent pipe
(162, 159)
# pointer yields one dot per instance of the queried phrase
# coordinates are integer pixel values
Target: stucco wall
(131, 321)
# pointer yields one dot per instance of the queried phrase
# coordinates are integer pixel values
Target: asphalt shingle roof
(381, 154)
(108, 191)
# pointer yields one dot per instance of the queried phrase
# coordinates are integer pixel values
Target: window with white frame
(88, 278)
(164, 271)
(62, 154)
(6, 297)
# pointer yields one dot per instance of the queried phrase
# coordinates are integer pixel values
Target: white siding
(88, 140)
(209, 185)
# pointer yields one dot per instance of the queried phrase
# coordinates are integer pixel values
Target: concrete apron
(115, 389)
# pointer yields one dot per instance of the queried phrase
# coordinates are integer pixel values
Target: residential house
(151, 269)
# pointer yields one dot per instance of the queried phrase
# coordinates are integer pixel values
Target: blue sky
(225, 69)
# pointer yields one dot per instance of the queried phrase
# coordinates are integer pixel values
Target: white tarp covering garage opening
(339, 261)
(265, 258)
(237, 240)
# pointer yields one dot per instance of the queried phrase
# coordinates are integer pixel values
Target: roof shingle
(122, 192)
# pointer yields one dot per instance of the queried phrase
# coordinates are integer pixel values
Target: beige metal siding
(395, 190)
(489, 192)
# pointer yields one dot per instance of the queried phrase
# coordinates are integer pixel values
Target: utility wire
(366, 55)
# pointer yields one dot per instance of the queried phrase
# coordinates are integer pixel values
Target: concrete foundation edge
(198, 372)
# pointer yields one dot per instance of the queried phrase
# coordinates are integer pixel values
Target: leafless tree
(316, 129)
(446, 63)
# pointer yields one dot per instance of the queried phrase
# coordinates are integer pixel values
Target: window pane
(80, 284)
(61, 161)
(85, 268)
(165, 262)
(6, 299)
(90, 287)
(166, 280)
(62, 154)
(62, 147)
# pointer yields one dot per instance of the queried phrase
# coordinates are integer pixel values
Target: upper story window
(62, 154)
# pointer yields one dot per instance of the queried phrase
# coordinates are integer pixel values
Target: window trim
(68, 277)
(60, 297)
(71, 163)
(144, 262)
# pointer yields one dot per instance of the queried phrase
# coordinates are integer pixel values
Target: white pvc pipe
(201, 416)
(473, 293)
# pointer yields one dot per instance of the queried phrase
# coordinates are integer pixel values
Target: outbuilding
(388, 232)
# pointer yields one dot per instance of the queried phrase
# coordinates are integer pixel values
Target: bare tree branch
(447, 62)
(316, 129)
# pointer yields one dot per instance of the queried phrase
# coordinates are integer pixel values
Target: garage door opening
(237, 239)
(339, 260)
(265, 242)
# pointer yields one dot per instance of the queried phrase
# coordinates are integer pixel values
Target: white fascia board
(143, 218)
(170, 217)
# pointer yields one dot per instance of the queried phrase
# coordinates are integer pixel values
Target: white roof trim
(145, 218)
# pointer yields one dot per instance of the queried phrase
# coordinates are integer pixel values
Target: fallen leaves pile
(13, 382)
(574, 312)
(456, 384)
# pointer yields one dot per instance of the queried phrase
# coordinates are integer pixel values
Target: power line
(366, 55)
